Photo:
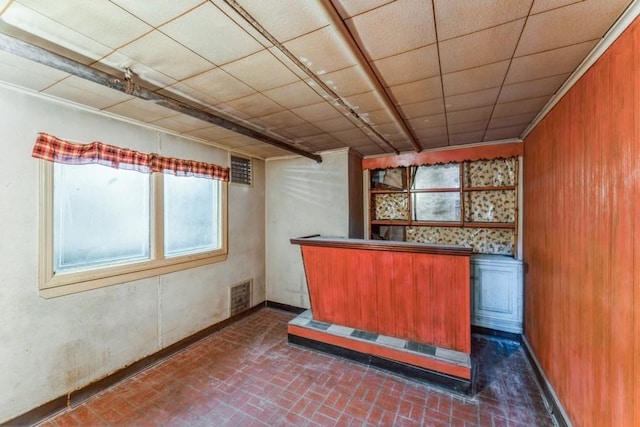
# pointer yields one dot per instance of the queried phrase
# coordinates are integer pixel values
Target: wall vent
(240, 297)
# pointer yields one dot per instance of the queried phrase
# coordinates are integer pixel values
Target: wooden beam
(59, 62)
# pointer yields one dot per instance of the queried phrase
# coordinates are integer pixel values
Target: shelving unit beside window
(467, 203)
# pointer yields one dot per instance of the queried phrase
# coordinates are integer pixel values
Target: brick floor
(247, 375)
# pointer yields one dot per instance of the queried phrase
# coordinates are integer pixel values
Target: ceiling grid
(378, 76)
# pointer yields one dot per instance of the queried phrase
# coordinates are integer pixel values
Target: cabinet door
(497, 296)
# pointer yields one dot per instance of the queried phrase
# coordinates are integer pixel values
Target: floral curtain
(50, 148)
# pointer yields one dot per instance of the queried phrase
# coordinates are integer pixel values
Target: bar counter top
(382, 245)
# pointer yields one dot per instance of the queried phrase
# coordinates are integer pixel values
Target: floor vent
(240, 297)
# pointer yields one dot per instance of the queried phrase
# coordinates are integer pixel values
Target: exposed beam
(59, 62)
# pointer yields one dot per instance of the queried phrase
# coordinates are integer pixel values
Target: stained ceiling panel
(377, 76)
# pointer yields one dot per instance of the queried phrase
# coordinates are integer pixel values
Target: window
(240, 170)
(102, 225)
(100, 216)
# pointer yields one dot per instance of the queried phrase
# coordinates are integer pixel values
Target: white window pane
(191, 215)
(101, 216)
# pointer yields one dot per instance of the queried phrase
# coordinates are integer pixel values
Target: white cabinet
(496, 292)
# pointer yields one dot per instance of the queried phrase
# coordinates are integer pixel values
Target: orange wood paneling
(482, 152)
(415, 296)
(387, 353)
(581, 224)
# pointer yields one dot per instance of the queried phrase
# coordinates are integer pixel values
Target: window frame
(53, 284)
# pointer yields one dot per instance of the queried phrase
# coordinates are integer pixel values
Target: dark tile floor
(247, 375)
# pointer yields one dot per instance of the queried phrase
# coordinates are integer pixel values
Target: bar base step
(448, 369)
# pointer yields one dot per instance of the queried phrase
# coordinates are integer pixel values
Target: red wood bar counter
(414, 293)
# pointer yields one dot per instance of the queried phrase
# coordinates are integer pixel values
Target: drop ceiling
(378, 76)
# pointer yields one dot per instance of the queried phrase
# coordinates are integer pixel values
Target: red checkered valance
(50, 148)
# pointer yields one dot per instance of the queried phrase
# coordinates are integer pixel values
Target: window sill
(71, 283)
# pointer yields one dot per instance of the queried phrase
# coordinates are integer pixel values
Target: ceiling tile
(261, 71)
(455, 18)
(520, 119)
(218, 84)
(300, 131)
(394, 28)
(416, 64)
(421, 90)
(532, 88)
(348, 8)
(322, 140)
(504, 133)
(544, 5)
(212, 133)
(480, 48)
(48, 29)
(434, 142)
(139, 109)
(550, 63)
(365, 102)
(474, 79)
(335, 125)
(576, 23)
(352, 135)
(275, 17)
(466, 138)
(391, 131)
(348, 81)
(322, 51)
(481, 98)
(367, 150)
(431, 132)
(377, 117)
(520, 107)
(317, 112)
(157, 13)
(182, 123)
(103, 21)
(22, 72)
(459, 128)
(207, 31)
(429, 122)
(421, 109)
(255, 105)
(160, 52)
(294, 95)
(282, 120)
(472, 115)
(236, 140)
(86, 93)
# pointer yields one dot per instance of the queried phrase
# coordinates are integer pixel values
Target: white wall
(49, 347)
(303, 198)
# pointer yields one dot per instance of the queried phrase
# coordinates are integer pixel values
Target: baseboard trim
(555, 407)
(76, 397)
(285, 307)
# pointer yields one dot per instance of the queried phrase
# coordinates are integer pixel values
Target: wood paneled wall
(582, 241)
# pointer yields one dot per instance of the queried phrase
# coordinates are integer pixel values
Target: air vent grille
(240, 297)
(240, 170)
